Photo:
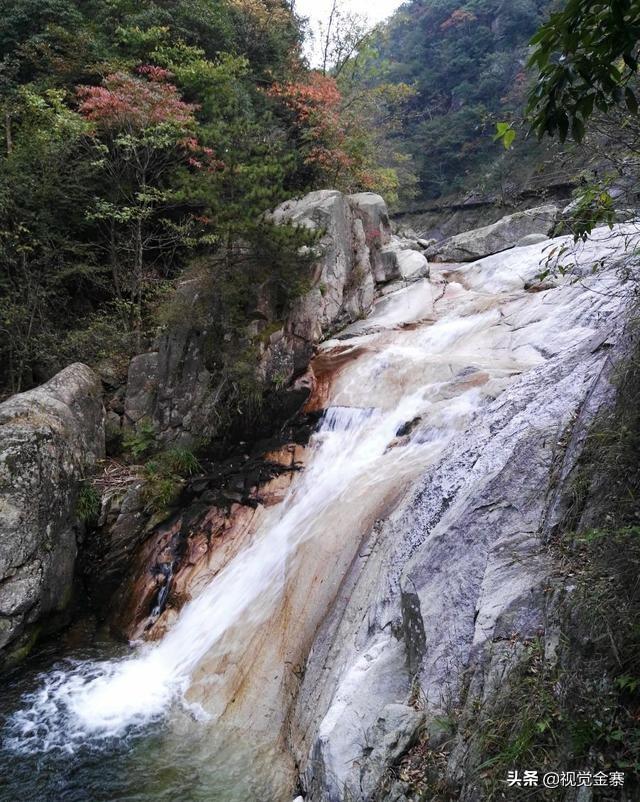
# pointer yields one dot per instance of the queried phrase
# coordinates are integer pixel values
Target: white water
(103, 699)
(491, 334)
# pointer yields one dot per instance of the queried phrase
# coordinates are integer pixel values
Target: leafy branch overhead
(585, 56)
(505, 133)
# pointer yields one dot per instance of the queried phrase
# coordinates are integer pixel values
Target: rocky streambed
(391, 570)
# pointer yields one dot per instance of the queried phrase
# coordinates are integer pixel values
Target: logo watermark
(564, 779)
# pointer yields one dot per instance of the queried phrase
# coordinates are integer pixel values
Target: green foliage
(523, 724)
(579, 710)
(505, 133)
(593, 206)
(585, 56)
(160, 492)
(164, 475)
(88, 504)
(181, 461)
(140, 441)
(141, 139)
(464, 63)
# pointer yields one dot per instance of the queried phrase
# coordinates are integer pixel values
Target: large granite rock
(174, 387)
(506, 233)
(50, 438)
(342, 282)
(450, 587)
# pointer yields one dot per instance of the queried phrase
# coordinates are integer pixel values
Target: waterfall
(459, 355)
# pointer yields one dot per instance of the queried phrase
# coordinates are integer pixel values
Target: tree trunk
(138, 272)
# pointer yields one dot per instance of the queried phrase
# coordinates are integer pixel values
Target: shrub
(140, 441)
(164, 477)
(88, 503)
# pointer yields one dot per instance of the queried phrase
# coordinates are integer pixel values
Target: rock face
(178, 555)
(452, 587)
(445, 593)
(506, 233)
(174, 389)
(50, 438)
(342, 281)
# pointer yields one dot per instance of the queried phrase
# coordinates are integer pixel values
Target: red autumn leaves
(316, 106)
(144, 101)
(139, 102)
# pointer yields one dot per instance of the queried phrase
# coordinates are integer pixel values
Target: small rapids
(395, 409)
(100, 701)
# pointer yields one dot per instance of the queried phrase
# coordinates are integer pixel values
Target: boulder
(174, 387)
(399, 262)
(531, 239)
(394, 732)
(342, 285)
(50, 438)
(506, 233)
(372, 210)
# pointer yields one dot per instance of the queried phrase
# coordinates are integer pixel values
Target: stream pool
(174, 758)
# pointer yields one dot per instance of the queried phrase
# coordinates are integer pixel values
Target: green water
(177, 758)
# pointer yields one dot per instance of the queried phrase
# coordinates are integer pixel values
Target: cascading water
(103, 699)
(458, 354)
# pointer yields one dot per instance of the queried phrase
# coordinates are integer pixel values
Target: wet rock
(506, 233)
(121, 529)
(408, 427)
(148, 572)
(453, 584)
(50, 438)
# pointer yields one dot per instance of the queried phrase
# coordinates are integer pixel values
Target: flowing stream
(192, 716)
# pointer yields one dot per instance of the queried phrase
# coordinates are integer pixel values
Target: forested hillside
(467, 64)
(142, 142)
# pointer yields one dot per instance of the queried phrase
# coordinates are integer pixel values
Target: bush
(181, 461)
(164, 477)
